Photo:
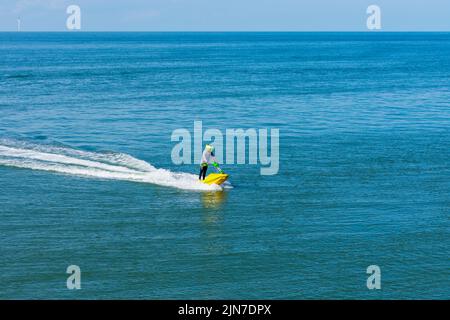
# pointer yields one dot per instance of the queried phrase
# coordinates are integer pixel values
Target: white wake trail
(114, 166)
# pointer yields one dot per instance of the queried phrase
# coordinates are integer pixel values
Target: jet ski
(216, 178)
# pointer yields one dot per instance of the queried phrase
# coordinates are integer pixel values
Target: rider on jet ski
(208, 157)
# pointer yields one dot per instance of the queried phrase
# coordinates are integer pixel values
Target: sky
(225, 15)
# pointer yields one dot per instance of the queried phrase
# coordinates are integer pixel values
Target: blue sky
(226, 15)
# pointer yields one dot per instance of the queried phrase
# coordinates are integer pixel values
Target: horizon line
(227, 31)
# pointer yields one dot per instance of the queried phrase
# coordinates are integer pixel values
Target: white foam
(115, 166)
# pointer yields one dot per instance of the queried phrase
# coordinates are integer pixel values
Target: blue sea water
(364, 175)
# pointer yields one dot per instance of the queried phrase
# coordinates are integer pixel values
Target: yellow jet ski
(215, 178)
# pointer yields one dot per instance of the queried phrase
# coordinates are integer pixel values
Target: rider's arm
(214, 163)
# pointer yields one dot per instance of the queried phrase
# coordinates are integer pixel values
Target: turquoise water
(86, 175)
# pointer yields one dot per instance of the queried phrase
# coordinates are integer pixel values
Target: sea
(88, 179)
